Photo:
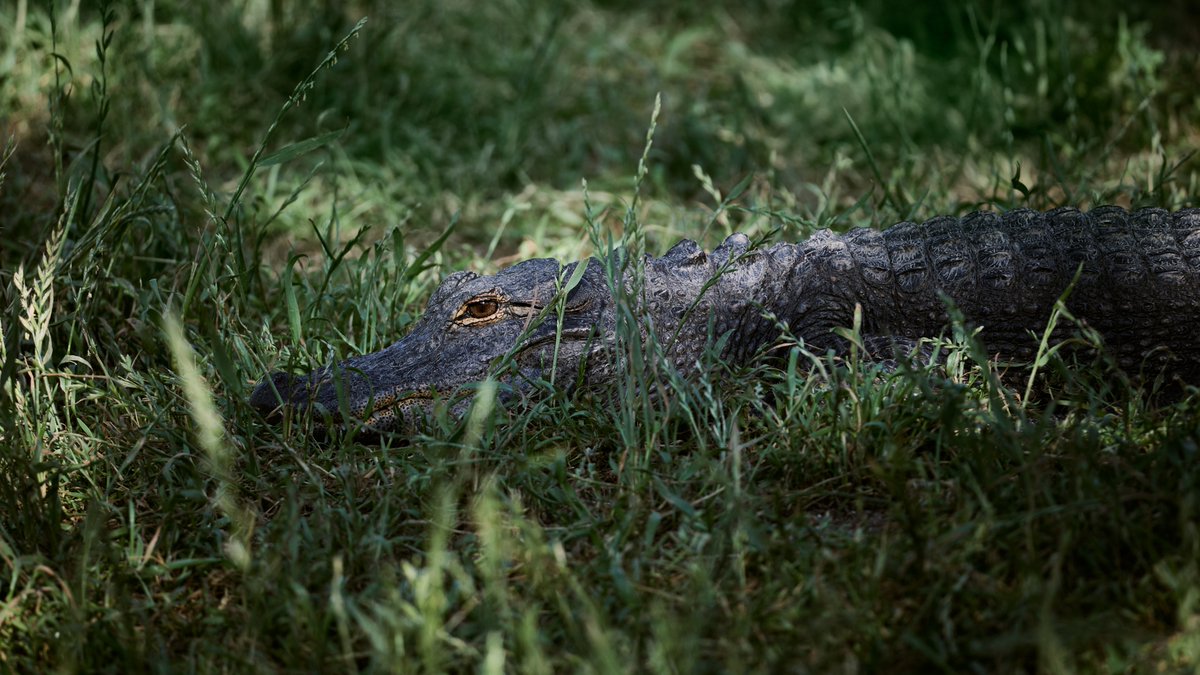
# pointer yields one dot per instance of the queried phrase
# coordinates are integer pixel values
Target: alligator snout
(277, 390)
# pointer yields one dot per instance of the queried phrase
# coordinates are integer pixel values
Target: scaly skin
(1138, 285)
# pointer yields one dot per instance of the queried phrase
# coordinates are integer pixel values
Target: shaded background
(453, 104)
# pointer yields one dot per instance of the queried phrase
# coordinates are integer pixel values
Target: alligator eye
(482, 309)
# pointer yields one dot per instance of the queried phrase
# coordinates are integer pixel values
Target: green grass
(208, 194)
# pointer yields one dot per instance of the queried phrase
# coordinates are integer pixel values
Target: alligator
(1133, 277)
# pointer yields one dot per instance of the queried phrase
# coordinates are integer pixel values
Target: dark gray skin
(1138, 285)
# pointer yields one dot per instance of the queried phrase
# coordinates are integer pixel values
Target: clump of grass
(814, 515)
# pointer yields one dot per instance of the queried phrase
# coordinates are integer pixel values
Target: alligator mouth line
(374, 407)
(382, 414)
(391, 401)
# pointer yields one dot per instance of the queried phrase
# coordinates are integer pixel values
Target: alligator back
(1136, 279)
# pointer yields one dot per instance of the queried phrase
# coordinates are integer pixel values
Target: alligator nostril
(275, 391)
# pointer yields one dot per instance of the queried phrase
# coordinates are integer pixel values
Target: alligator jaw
(281, 392)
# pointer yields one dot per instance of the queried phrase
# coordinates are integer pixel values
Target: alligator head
(471, 325)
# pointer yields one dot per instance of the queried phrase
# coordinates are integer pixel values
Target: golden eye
(482, 309)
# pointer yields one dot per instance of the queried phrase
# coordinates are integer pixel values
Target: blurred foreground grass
(167, 235)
